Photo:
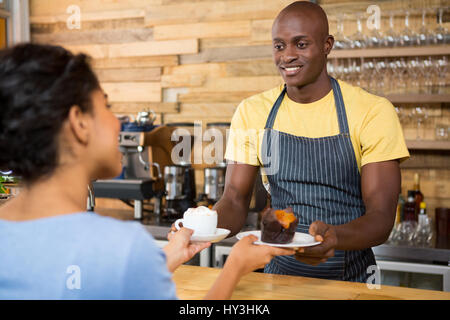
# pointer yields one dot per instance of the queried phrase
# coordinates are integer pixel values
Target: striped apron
(320, 180)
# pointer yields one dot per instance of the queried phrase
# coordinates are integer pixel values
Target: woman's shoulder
(88, 230)
(112, 229)
(98, 219)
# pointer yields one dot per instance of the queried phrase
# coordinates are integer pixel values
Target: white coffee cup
(201, 219)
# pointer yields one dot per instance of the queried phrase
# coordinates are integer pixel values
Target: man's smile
(291, 70)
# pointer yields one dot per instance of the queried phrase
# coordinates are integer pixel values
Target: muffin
(278, 226)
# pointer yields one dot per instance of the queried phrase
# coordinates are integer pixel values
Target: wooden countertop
(193, 282)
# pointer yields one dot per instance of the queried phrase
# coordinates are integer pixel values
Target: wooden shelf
(428, 145)
(418, 98)
(437, 50)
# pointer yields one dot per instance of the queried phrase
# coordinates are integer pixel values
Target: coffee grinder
(179, 193)
(214, 183)
(214, 176)
(179, 178)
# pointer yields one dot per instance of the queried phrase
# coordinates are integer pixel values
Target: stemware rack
(435, 50)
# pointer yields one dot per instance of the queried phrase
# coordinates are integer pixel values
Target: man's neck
(311, 92)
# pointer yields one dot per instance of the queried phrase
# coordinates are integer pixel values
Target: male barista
(329, 150)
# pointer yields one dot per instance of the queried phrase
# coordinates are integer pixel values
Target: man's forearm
(232, 213)
(232, 208)
(380, 187)
(364, 232)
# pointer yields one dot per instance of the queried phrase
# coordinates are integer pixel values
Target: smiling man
(337, 152)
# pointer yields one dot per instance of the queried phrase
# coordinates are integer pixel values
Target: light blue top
(81, 256)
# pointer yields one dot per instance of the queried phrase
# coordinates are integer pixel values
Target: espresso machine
(141, 176)
(179, 177)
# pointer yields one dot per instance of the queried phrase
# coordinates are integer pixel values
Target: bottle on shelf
(406, 229)
(423, 210)
(409, 210)
(418, 196)
(393, 237)
(423, 234)
(399, 217)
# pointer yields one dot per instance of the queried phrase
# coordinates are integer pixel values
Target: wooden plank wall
(197, 59)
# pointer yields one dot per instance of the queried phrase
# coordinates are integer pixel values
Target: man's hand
(179, 250)
(322, 252)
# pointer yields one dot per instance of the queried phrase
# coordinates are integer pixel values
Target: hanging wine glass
(361, 76)
(440, 67)
(424, 34)
(345, 71)
(357, 72)
(408, 37)
(428, 74)
(401, 114)
(380, 68)
(420, 114)
(440, 33)
(330, 69)
(340, 40)
(350, 70)
(391, 37)
(392, 77)
(337, 67)
(369, 71)
(375, 38)
(400, 76)
(365, 80)
(413, 75)
(358, 40)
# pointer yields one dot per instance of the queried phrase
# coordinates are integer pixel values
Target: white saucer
(300, 240)
(216, 237)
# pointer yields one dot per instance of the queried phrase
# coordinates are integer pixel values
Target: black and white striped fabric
(320, 180)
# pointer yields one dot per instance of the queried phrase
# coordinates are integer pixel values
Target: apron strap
(273, 112)
(340, 107)
(338, 100)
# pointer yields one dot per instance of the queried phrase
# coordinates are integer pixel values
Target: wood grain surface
(193, 282)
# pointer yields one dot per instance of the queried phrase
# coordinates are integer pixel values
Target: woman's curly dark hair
(38, 85)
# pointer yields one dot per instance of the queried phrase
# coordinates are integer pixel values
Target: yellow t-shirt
(375, 130)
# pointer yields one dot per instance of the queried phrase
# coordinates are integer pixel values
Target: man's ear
(328, 45)
(79, 124)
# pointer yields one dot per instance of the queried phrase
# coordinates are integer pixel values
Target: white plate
(300, 240)
(216, 237)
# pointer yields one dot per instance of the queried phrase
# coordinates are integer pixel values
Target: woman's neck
(64, 192)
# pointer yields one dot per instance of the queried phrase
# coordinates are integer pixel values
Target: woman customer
(58, 134)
